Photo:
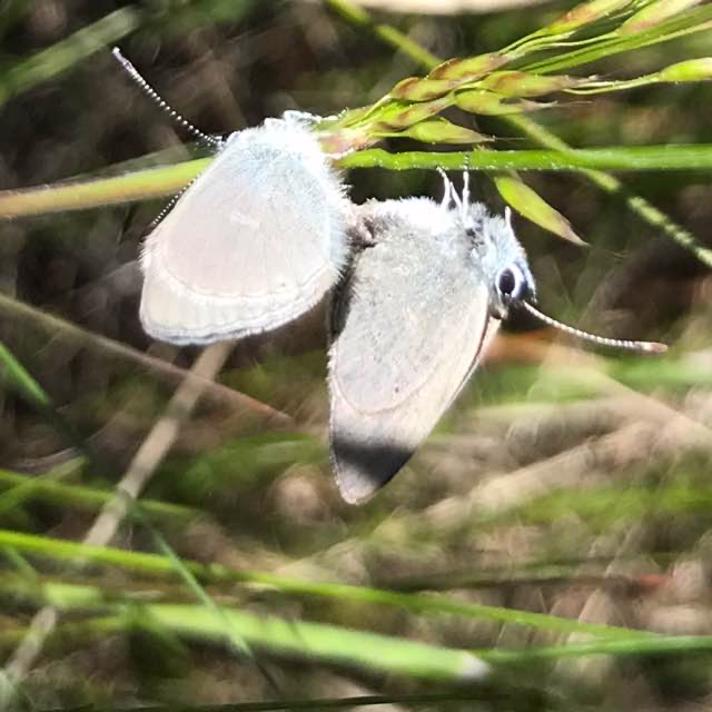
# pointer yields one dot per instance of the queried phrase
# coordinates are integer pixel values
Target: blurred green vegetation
(555, 530)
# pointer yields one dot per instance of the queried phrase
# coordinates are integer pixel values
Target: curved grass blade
(531, 205)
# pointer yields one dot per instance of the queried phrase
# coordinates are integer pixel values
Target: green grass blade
(698, 20)
(630, 158)
(332, 644)
(139, 185)
(418, 603)
(315, 641)
(14, 374)
(46, 489)
(613, 186)
(359, 17)
(658, 645)
(343, 646)
(233, 635)
(19, 378)
(54, 60)
(155, 182)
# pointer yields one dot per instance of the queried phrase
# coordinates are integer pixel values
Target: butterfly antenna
(651, 347)
(457, 199)
(153, 94)
(447, 189)
(465, 200)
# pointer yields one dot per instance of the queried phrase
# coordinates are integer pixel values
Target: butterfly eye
(511, 283)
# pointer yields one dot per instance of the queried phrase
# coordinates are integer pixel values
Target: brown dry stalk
(65, 329)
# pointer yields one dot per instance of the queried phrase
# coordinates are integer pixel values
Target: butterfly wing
(410, 324)
(255, 242)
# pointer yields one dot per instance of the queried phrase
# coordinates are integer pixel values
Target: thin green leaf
(612, 185)
(488, 103)
(140, 185)
(370, 651)
(438, 130)
(312, 641)
(633, 158)
(470, 68)
(424, 604)
(16, 374)
(532, 206)
(155, 182)
(65, 54)
(692, 22)
(359, 17)
(658, 645)
(526, 84)
(422, 89)
(45, 488)
(584, 14)
(232, 634)
(654, 14)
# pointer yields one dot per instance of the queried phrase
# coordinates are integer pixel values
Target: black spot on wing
(363, 467)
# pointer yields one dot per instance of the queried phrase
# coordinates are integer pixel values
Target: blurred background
(563, 482)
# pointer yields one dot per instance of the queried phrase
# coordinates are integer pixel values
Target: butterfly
(418, 288)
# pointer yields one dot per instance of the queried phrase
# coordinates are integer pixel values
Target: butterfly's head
(496, 253)
(504, 264)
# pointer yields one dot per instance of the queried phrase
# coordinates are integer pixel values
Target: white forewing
(410, 324)
(255, 242)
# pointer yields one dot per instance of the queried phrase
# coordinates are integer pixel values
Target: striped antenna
(153, 94)
(651, 347)
(462, 201)
(466, 189)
